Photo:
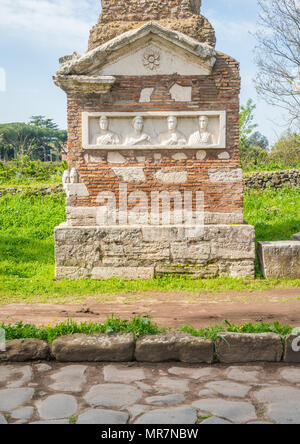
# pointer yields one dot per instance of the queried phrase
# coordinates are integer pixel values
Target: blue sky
(35, 33)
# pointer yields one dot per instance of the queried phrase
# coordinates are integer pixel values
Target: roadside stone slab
(57, 407)
(172, 384)
(10, 399)
(243, 347)
(113, 395)
(54, 421)
(292, 349)
(178, 415)
(42, 368)
(250, 375)
(69, 379)
(296, 237)
(291, 375)
(14, 376)
(284, 413)
(282, 403)
(23, 413)
(228, 388)
(100, 416)
(174, 346)
(137, 410)
(2, 420)
(236, 412)
(214, 420)
(94, 348)
(114, 374)
(23, 350)
(165, 400)
(195, 373)
(280, 259)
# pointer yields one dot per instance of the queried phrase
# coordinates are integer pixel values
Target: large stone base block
(280, 259)
(144, 252)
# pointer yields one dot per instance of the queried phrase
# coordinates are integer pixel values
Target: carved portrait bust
(137, 137)
(172, 136)
(201, 137)
(106, 137)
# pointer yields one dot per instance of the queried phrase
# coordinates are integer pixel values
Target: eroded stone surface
(10, 399)
(174, 385)
(244, 373)
(100, 416)
(214, 420)
(23, 413)
(15, 377)
(291, 374)
(113, 395)
(2, 420)
(114, 374)
(165, 400)
(237, 412)
(69, 379)
(179, 415)
(57, 407)
(165, 396)
(193, 373)
(227, 388)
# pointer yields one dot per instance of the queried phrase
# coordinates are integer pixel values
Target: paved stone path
(149, 394)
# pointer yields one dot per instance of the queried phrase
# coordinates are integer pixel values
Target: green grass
(138, 325)
(27, 251)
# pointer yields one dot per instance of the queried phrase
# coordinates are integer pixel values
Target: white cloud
(60, 22)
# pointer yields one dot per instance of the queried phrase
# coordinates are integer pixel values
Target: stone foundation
(146, 252)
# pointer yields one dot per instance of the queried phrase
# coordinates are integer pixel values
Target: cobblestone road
(149, 394)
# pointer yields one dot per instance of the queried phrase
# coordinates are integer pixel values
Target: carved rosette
(151, 59)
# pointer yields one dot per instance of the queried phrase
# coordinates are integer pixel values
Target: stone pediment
(149, 50)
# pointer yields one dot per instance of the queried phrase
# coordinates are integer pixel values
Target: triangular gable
(94, 62)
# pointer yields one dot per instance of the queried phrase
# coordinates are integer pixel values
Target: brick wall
(219, 91)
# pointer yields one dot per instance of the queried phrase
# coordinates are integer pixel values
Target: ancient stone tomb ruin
(154, 185)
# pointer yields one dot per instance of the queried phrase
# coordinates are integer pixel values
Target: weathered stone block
(243, 347)
(292, 348)
(22, 350)
(135, 252)
(296, 237)
(280, 259)
(176, 346)
(94, 348)
(130, 273)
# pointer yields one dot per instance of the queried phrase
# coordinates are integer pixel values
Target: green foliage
(138, 325)
(40, 139)
(27, 251)
(25, 172)
(246, 123)
(286, 152)
(214, 331)
(274, 213)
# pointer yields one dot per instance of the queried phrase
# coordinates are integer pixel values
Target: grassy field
(27, 251)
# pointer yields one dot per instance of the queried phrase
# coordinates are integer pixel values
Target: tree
(278, 55)
(253, 145)
(40, 139)
(50, 139)
(19, 138)
(286, 152)
(246, 123)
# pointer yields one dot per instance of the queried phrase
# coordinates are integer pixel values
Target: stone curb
(177, 346)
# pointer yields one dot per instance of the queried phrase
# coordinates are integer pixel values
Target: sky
(34, 34)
